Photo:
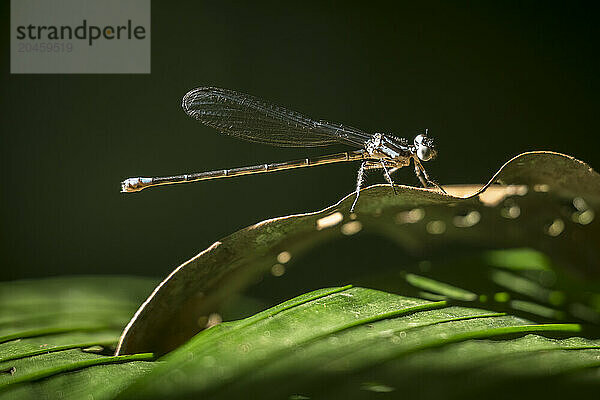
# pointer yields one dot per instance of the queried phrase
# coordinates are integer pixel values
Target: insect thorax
(389, 148)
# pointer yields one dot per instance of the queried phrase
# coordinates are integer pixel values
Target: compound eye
(419, 140)
(424, 153)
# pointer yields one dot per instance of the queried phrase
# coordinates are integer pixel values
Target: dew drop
(583, 218)
(580, 204)
(284, 257)
(555, 228)
(329, 221)
(351, 228)
(467, 221)
(511, 212)
(436, 227)
(277, 270)
(410, 217)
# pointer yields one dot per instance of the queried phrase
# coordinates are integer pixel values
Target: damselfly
(255, 120)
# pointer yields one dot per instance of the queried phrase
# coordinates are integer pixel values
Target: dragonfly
(249, 118)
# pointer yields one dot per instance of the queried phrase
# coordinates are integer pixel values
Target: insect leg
(388, 178)
(424, 177)
(419, 174)
(359, 181)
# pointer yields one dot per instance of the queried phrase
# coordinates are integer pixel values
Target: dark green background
(489, 79)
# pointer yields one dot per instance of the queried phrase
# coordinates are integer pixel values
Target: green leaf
(539, 208)
(46, 325)
(444, 318)
(347, 342)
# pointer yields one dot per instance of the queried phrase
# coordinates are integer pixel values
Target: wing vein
(249, 118)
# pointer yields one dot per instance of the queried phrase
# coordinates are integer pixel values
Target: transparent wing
(255, 120)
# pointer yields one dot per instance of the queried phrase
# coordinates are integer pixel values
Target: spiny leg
(434, 183)
(387, 176)
(419, 174)
(424, 177)
(359, 182)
